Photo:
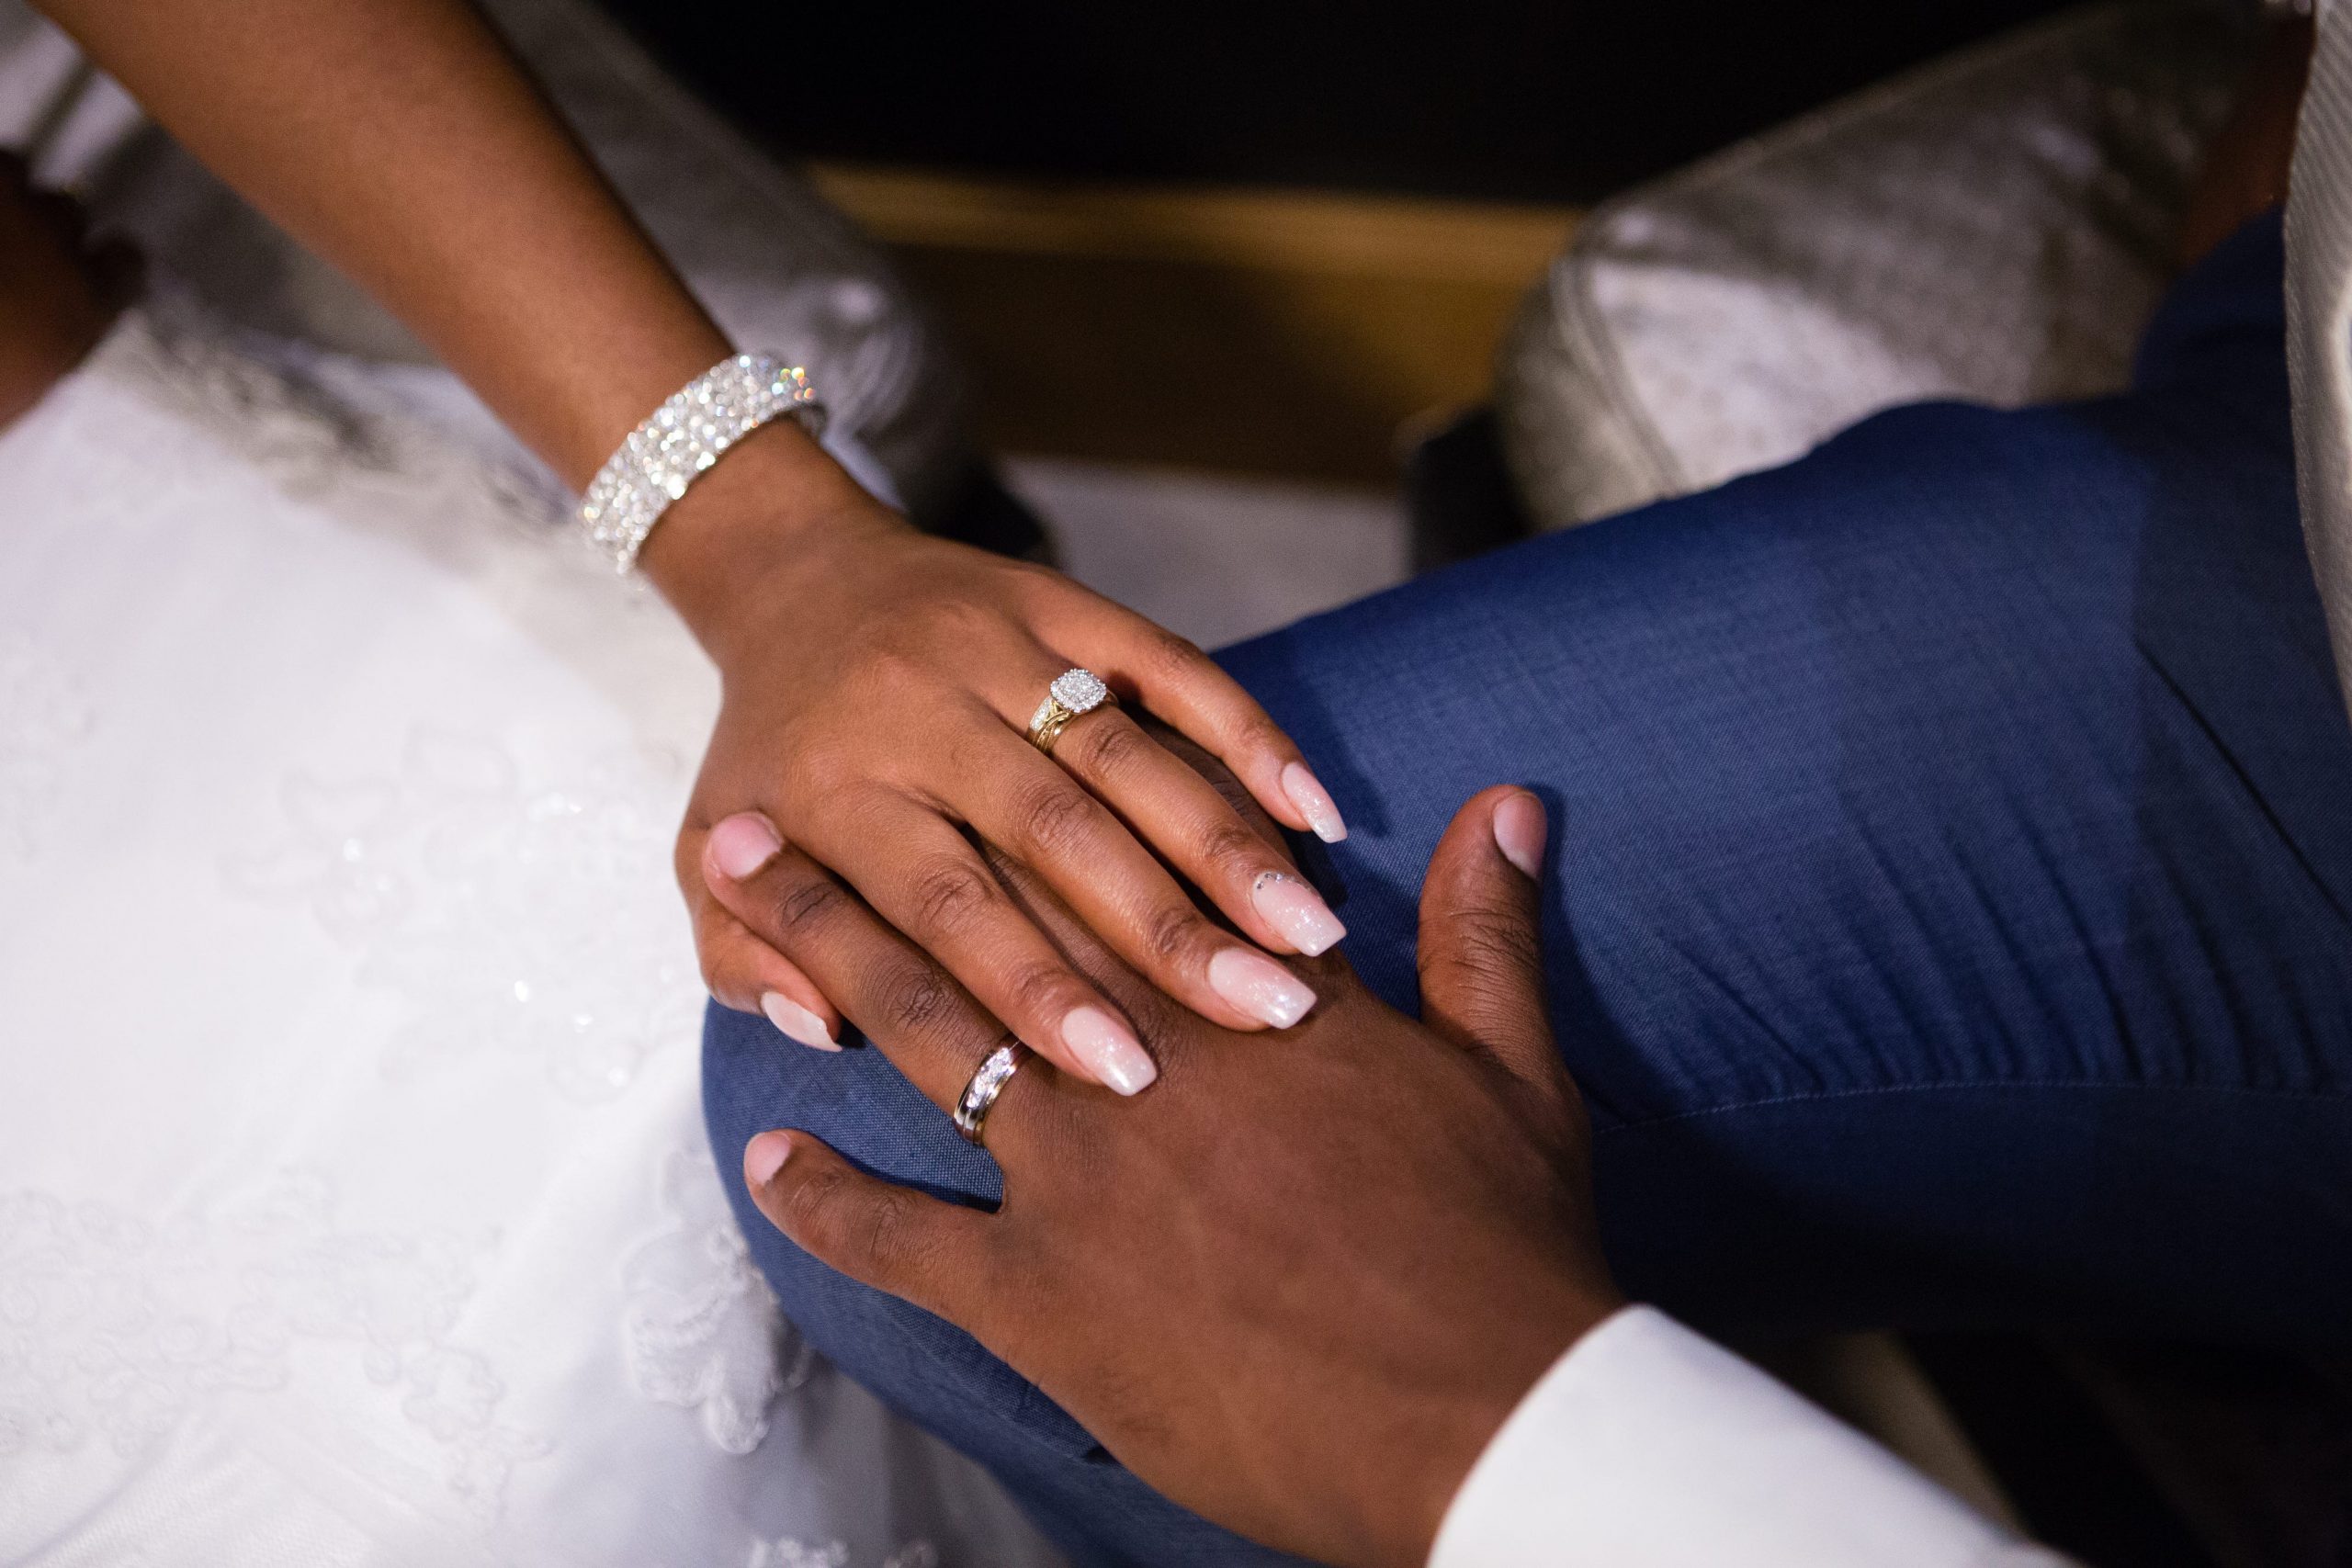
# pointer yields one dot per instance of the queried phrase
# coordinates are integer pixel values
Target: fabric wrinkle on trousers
(1948, 907)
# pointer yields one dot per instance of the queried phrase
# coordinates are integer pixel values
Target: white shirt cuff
(1646, 1446)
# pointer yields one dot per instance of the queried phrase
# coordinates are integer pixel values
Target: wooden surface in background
(1289, 334)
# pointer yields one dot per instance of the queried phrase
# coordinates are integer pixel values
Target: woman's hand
(879, 685)
(58, 293)
(1299, 1288)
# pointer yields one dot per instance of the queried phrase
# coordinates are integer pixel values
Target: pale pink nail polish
(1297, 910)
(741, 844)
(1520, 832)
(798, 1022)
(1314, 803)
(764, 1156)
(1258, 985)
(1108, 1050)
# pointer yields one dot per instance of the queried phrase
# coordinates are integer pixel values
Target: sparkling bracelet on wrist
(687, 435)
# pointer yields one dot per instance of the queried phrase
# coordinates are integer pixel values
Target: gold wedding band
(987, 1081)
(1073, 694)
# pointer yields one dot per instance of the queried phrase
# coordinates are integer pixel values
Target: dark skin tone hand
(58, 293)
(1299, 1284)
(877, 681)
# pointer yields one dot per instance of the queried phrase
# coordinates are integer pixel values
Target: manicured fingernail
(764, 1156)
(1520, 832)
(1106, 1048)
(741, 844)
(1314, 803)
(1297, 910)
(798, 1022)
(1260, 987)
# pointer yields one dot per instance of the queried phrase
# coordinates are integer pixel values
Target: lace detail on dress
(113, 1327)
(513, 917)
(42, 716)
(703, 1330)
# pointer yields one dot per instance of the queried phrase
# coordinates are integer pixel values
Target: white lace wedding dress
(354, 1207)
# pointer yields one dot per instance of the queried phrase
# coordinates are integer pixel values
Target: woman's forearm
(399, 141)
(877, 683)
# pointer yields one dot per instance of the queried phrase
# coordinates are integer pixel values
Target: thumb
(919, 1248)
(1481, 945)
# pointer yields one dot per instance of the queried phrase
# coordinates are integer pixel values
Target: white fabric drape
(354, 1206)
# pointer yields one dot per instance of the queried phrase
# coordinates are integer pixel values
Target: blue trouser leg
(1950, 906)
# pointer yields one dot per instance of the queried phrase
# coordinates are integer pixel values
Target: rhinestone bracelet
(666, 454)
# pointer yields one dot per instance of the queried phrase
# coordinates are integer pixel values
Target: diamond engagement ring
(989, 1079)
(1074, 693)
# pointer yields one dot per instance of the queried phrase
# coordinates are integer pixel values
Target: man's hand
(1297, 1286)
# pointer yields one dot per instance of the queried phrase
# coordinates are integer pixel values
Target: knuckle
(915, 997)
(802, 905)
(1053, 815)
(947, 892)
(895, 662)
(1040, 990)
(963, 622)
(1034, 577)
(1173, 657)
(1171, 931)
(1112, 749)
(1232, 852)
(1259, 733)
(1500, 940)
(1489, 944)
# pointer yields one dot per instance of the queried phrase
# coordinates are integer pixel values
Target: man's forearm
(399, 141)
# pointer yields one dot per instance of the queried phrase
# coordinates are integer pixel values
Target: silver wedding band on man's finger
(987, 1081)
